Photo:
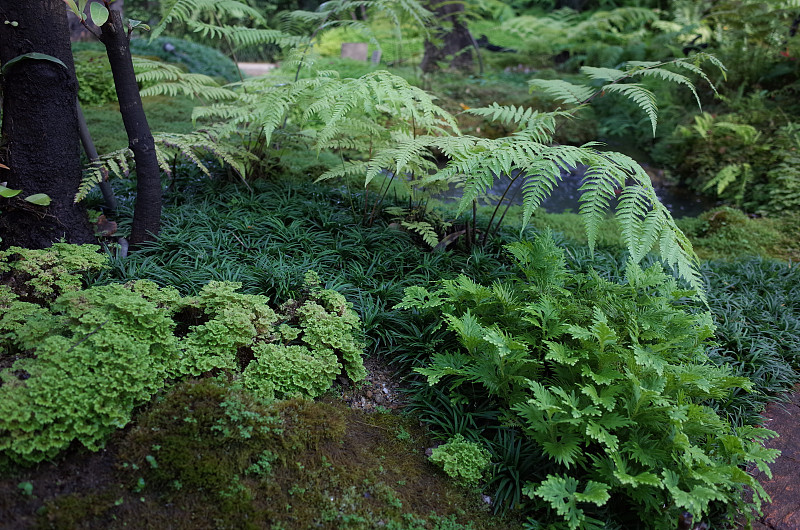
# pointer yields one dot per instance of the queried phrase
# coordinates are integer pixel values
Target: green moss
(242, 461)
(68, 511)
(726, 232)
(164, 114)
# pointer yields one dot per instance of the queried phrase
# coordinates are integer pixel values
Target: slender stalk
(500, 202)
(508, 206)
(474, 219)
(91, 152)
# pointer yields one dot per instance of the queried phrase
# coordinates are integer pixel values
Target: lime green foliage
(310, 355)
(609, 382)
(286, 371)
(98, 354)
(228, 321)
(90, 356)
(463, 460)
(50, 272)
(95, 82)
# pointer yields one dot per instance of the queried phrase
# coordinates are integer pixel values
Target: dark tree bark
(457, 41)
(77, 30)
(147, 212)
(40, 142)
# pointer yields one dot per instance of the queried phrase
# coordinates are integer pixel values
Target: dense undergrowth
(573, 386)
(268, 239)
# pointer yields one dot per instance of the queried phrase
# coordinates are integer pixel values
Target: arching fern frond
(191, 10)
(563, 91)
(643, 98)
(114, 163)
(245, 36)
(159, 78)
(540, 125)
(611, 75)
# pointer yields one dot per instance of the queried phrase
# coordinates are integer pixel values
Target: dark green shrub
(197, 58)
(95, 82)
(608, 381)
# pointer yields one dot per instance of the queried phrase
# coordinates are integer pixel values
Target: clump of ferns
(610, 177)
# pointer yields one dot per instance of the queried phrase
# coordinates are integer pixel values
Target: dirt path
(784, 487)
(256, 69)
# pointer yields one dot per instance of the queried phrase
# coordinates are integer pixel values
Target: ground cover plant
(550, 352)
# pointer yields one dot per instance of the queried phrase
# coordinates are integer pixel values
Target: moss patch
(207, 454)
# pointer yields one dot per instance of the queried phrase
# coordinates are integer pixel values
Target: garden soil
(784, 486)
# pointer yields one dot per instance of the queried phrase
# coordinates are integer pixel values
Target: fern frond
(562, 90)
(189, 10)
(429, 235)
(244, 36)
(164, 78)
(603, 74)
(115, 163)
(541, 177)
(643, 98)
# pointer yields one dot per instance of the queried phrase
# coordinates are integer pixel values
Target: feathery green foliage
(608, 381)
(379, 123)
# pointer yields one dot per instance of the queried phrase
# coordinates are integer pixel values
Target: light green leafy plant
(50, 272)
(607, 381)
(462, 460)
(81, 360)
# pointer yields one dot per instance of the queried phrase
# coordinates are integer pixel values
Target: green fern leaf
(562, 91)
(645, 99)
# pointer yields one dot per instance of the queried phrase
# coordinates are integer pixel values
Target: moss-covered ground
(206, 454)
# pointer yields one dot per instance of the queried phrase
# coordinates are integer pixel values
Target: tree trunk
(78, 31)
(457, 41)
(40, 142)
(147, 212)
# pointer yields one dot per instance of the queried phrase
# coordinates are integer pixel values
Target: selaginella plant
(461, 459)
(77, 361)
(608, 381)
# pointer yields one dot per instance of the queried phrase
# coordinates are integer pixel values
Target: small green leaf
(8, 192)
(81, 5)
(38, 198)
(73, 7)
(99, 13)
(32, 55)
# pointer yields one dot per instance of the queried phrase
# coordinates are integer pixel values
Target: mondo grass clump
(268, 236)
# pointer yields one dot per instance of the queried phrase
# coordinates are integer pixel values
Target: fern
(424, 229)
(188, 11)
(159, 78)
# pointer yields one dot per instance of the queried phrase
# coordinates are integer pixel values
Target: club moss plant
(75, 367)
